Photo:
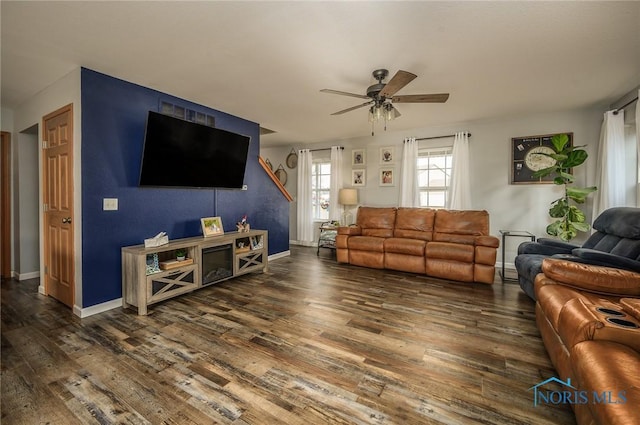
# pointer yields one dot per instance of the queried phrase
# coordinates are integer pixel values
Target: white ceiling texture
(267, 61)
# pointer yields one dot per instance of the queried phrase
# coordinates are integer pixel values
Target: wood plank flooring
(309, 342)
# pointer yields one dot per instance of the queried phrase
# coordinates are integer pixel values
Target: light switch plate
(110, 204)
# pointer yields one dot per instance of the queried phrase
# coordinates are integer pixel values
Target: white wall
(27, 232)
(29, 114)
(514, 207)
(6, 124)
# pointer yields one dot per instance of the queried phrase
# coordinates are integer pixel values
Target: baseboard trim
(96, 309)
(280, 255)
(30, 275)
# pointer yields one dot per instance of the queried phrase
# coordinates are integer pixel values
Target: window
(320, 188)
(434, 176)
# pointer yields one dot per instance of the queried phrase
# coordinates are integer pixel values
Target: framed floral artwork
(358, 157)
(386, 155)
(387, 176)
(358, 177)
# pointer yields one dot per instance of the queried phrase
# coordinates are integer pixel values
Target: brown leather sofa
(448, 244)
(589, 319)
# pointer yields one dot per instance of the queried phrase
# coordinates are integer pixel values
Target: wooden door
(57, 163)
(5, 214)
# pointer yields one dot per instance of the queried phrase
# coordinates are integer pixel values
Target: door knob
(66, 220)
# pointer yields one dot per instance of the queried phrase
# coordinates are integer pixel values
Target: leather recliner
(615, 244)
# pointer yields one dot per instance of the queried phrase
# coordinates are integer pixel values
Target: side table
(327, 238)
(509, 233)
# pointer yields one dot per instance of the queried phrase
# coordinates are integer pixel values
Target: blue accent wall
(114, 114)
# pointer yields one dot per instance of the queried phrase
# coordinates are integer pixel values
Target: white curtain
(305, 209)
(336, 182)
(459, 193)
(409, 193)
(610, 170)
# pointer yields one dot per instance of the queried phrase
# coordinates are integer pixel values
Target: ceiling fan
(381, 96)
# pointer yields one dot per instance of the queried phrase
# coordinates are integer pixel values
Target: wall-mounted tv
(179, 153)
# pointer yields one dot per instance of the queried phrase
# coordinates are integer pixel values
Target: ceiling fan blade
(421, 98)
(352, 108)
(344, 93)
(401, 79)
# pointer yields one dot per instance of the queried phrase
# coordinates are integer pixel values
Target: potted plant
(181, 254)
(569, 218)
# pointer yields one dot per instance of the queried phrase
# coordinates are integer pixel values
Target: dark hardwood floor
(309, 342)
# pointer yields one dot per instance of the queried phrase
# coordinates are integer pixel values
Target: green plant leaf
(579, 194)
(554, 228)
(575, 158)
(559, 208)
(574, 215)
(568, 177)
(544, 172)
(559, 180)
(568, 234)
(559, 157)
(559, 141)
(582, 227)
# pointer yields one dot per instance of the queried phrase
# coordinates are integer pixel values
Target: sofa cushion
(622, 221)
(592, 278)
(366, 243)
(450, 251)
(405, 246)
(376, 221)
(460, 226)
(414, 223)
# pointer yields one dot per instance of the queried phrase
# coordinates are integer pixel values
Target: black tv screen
(179, 153)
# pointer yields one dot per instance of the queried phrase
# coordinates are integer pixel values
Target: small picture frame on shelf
(256, 242)
(211, 226)
(358, 157)
(358, 177)
(386, 155)
(153, 265)
(386, 177)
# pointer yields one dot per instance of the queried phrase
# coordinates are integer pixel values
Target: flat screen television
(179, 153)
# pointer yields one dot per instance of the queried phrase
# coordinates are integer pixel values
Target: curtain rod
(624, 106)
(324, 149)
(440, 137)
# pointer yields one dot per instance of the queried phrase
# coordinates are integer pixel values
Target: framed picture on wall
(386, 155)
(387, 176)
(530, 154)
(358, 157)
(358, 177)
(211, 226)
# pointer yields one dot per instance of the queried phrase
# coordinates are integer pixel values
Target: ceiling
(266, 61)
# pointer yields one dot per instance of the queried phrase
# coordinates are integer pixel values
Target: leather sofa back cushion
(376, 221)
(603, 280)
(415, 223)
(460, 226)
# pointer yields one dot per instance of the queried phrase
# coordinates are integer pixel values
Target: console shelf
(215, 259)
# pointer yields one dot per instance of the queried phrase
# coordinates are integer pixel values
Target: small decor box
(158, 240)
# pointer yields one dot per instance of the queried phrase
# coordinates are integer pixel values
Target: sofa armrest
(557, 244)
(546, 246)
(593, 278)
(350, 230)
(606, 259)
(488, 241)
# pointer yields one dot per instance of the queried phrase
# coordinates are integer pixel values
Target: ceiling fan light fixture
(390, 113)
